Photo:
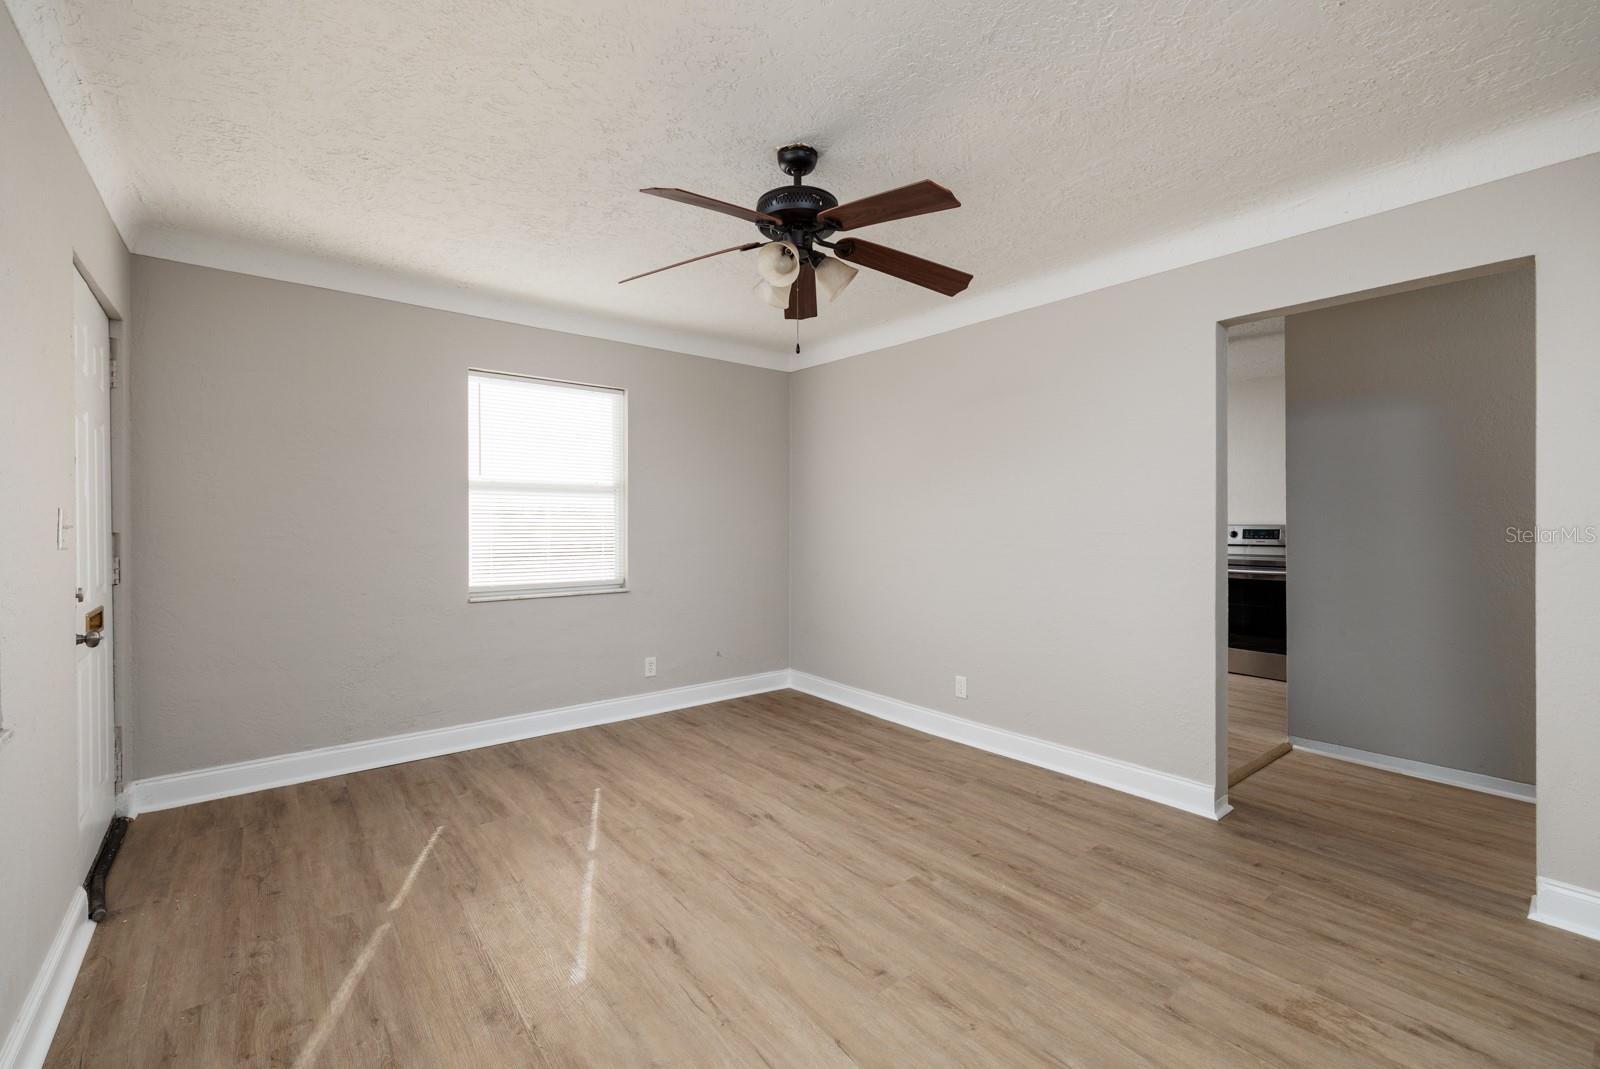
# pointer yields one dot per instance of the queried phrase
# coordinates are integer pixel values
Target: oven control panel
(1250, 534)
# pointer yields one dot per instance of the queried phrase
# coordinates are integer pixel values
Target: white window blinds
(546, 476)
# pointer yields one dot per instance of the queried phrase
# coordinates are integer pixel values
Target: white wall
(1033, 501)
(1411, 424)
(1256, 444)
(299, 467)
(49, 215)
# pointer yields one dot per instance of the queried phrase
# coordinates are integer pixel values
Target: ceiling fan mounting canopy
(797, 161)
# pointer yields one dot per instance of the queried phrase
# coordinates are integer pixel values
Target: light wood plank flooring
(775, 881)
(1258, 724)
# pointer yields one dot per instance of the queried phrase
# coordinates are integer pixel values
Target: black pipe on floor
(95, 885)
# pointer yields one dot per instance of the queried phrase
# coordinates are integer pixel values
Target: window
(547, 488)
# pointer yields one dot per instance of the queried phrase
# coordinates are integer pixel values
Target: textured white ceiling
(499, 145)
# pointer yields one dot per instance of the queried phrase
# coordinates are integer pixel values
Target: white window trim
(477, 595)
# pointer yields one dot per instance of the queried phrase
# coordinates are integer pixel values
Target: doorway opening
(1379, 532)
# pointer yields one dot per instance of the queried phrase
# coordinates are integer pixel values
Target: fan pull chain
(797, 337)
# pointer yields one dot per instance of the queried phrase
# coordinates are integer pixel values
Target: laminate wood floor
(776, 881)
(1258, 724)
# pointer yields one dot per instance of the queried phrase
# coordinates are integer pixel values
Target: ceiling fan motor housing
(797, 207)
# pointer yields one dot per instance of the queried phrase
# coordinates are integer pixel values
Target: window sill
(525, 595)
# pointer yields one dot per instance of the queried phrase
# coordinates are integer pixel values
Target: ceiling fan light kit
(833, 275)
(778, 262)
(777, 296)
(798, 220)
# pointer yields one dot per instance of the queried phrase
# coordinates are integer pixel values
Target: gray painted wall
(49, 214)
(1017, 502)
(1410, 445)
(1034, 501)
(300, 496)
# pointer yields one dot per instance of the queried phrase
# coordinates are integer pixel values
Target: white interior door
(91, 526)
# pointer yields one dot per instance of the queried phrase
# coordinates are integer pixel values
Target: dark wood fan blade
(692, 259)
(914, 269)
(803, 295)
(683, 196)
(919, 198)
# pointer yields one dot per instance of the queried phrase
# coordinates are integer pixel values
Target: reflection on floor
(776, 881)
(1258, 724)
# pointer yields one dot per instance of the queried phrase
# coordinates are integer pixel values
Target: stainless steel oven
(1258, 581)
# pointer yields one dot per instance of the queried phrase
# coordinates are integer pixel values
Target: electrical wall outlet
(961, 686)
(649, 666)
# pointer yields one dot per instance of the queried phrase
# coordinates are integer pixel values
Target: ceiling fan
(798, 220)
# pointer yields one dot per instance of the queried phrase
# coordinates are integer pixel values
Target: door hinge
(116, 559)
(111, 368)
(116, 753)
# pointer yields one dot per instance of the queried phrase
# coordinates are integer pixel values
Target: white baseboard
(1191, 796)
(29, 1039)
(1566, 906)
(246, 777)
(1472, 781)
